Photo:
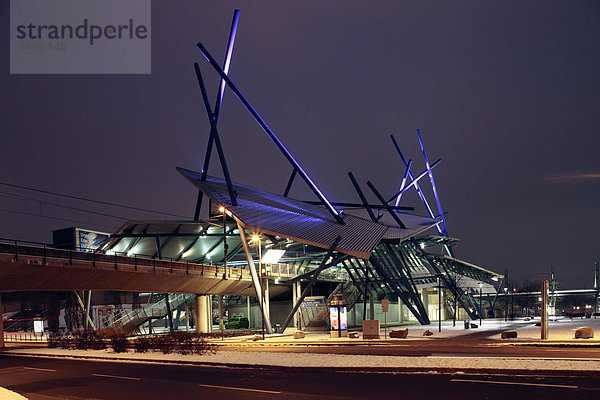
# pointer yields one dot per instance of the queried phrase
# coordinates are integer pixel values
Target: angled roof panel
(290, 218)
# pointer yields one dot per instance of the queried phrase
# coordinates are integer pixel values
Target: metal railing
(43, 254)
(138, 316)
(25, 337)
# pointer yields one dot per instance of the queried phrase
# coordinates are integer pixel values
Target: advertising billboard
(90, 240)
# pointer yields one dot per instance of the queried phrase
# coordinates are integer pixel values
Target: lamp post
(439, 304)
(256, 239)
(224, 212)
(505, 304)
(480, 307)
(512, 306)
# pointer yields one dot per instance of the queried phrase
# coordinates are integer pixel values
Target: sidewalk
(253, 357)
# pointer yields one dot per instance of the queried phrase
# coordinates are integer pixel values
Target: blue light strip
(416, 180)
(437, 199)
(403, 182)
(270, 133)
(419, 191)
(227, 63)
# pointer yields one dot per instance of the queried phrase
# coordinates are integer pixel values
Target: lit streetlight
(480, 307)
(256, 239)
(505, 304)
(224, 212)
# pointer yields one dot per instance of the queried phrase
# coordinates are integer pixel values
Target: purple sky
(506, 93)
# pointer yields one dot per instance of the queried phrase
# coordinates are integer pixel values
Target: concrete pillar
(294, 300)
(249, 311)
(400, 313)
(425, 299)
(209, 312)
(201, 311)
(1, 323)
(187, 317)
(371, 307)
(221, 326)
(267, 299)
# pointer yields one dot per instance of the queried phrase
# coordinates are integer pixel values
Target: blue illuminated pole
(416, 180)
(417, 187)
(269, 132)
(221, 91)
(435, 194)
(217, 110)
(403, 183)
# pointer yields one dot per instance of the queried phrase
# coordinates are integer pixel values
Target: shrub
(141, 344)
(119, 343)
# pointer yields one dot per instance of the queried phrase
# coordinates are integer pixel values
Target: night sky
(506, 93)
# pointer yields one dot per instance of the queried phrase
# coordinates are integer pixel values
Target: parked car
(236, 322)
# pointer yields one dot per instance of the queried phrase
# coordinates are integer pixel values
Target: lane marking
(41, 369)
(515, 383)
(118, 377)
(242, 389)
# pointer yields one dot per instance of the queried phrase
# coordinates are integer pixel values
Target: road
(45, 378)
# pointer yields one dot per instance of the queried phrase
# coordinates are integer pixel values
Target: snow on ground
(282, 359)
(6, 394)
(561, 329)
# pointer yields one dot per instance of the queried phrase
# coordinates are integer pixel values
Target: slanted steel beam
(83, 308)
(335, 213)
(219, 101)
(256, 282)
(423, 319)
(403, 183)
(311, 282)
(415, 181)
(289, 184)
(435, 193)
(362, 196)
(411, 288)
(215, 134)
(449, 283)
(386, 205)
(417, 187)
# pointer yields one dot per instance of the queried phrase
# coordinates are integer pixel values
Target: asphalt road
(44, 378)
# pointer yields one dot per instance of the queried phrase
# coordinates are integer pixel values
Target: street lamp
(256, 239)
(223, 211)
(439, 304)
(512, 306)
(480, 308)
(505, 304)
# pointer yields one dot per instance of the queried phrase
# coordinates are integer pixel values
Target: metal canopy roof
(414, 224)
(293, 219)
(177, 240)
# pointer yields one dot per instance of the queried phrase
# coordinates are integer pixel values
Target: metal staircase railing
(138, 316)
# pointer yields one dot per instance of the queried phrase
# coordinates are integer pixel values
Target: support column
(294, 300)
(169, 312)
(267, 299)
(209, 308)
(425, 301)
(221, 326)
(1, 323)
(400, 313)
(187, 317)
(249, 311)
(255, 279)
(201, 314)
(371, 307)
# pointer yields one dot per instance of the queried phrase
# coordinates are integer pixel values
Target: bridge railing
(43, 254)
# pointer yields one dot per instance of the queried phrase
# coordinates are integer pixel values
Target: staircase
(317, 318)
(135, 318)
